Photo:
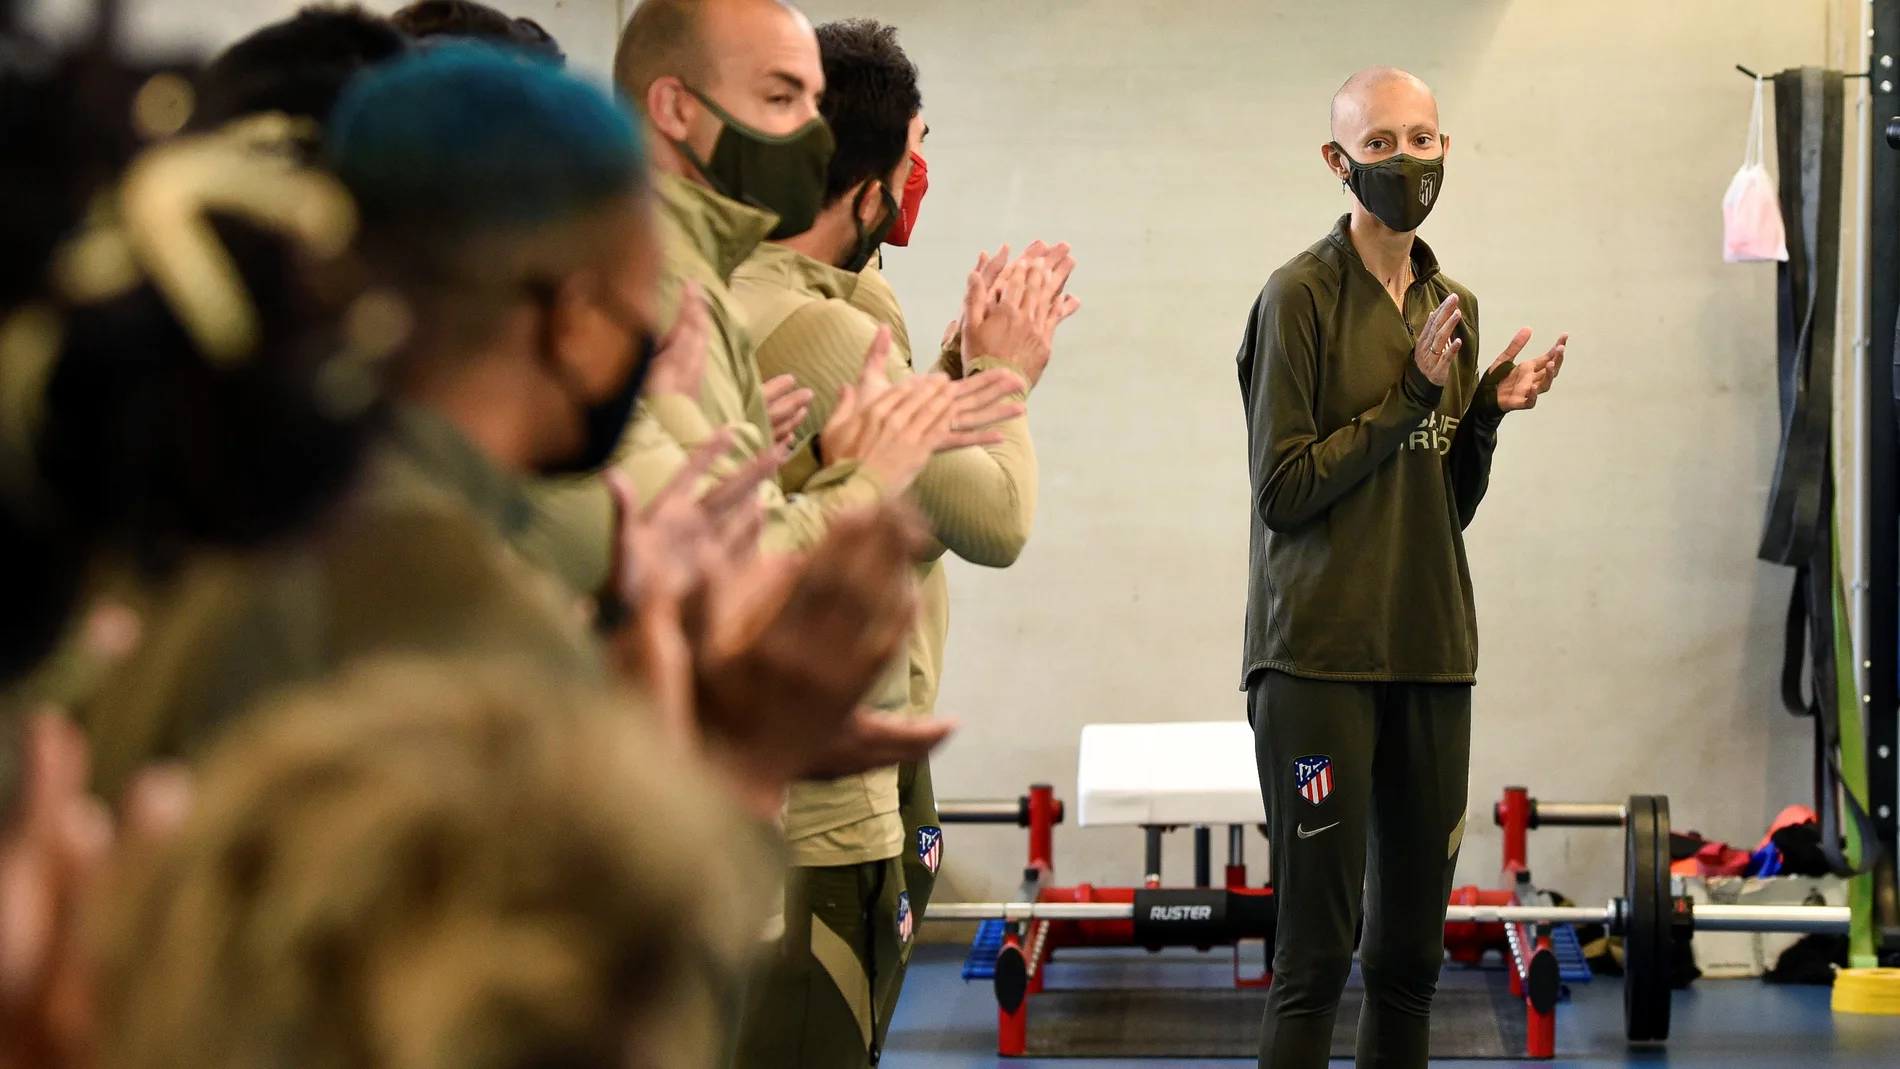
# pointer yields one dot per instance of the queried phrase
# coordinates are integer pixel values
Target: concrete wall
(1630, 638)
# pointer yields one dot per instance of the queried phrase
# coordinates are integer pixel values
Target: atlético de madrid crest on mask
(1428, 190)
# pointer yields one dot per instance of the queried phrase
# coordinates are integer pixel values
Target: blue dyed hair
(467, 138)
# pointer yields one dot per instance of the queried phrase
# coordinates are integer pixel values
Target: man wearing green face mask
(729, 93)
(814, 303)
(1371, 429)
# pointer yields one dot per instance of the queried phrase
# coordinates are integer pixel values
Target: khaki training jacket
(815, 322)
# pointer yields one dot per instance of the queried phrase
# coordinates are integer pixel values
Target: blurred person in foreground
(297, 65)
(155, 410)
(448, 20)
(432, 865)
(178, 374)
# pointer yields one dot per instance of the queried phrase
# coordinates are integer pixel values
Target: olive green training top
(815, 322)
(1364, 475)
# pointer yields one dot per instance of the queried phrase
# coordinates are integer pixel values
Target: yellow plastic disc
(1867, 991)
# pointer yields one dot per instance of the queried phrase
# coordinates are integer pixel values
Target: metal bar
(1236, 844)
(1523, 914)
(1856, 74)
(1581, 814)
(1851, 350)
(1881, 652)
(1711, 918)
(1025, 911)
(1203, 856)
(981, 811)
(1832, 920)
(1112, 911)
(1151, 866)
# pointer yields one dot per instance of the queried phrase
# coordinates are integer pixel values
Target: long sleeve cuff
(1485, 409)
(1419, 390)
(986, 363)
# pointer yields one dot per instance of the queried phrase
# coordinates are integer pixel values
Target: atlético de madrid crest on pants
(905, 922)
(1313, 778)
(930, 848)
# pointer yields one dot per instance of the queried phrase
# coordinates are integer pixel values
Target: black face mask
(604, 423)
(1399, 191)
(869, 240)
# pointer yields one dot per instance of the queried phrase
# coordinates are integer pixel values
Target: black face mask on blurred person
(1399, 191)
(604, 422)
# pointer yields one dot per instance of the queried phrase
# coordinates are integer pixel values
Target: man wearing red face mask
(916, 184)
(813, 302)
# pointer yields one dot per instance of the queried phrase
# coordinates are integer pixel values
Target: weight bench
(1166, 776)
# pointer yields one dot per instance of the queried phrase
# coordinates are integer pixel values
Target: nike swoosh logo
(1301, 831)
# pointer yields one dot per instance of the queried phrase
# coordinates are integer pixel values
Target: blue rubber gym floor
(944, 1023)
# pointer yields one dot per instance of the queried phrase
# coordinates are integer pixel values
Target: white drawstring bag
(1751, 210)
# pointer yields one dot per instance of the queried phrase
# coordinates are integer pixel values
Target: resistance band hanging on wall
(1799, 531)
(1808, 148)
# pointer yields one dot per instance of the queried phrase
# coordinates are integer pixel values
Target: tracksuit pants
(1365, 787)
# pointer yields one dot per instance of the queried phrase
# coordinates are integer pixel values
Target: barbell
(1647, 916)
(1702, 917)
(993, 811)
(1577, 814)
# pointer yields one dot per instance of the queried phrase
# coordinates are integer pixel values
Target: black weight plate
(1642, 956)
(1637, 938)
(1645, 964)
(1665, 912)
(1665, 977)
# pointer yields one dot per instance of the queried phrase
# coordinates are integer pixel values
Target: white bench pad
(1192, 773)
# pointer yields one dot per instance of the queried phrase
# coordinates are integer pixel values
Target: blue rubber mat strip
(1571, 966)
(981, 964)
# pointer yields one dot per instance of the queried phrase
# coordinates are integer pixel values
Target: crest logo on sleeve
(905, 922)
(1427, 190)
(1313, 778)
(930, 847)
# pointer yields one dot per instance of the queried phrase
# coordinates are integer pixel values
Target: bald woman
(1370, 431)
